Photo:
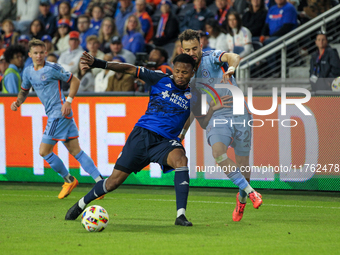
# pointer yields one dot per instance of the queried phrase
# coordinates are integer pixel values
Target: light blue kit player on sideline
(215, 67)
(45, 77)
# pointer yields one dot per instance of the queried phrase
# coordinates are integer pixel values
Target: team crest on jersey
(43, 77)
(187, 95)
(205, 73)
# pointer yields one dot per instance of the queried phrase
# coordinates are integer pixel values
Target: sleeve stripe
(138, 70)
(24, 89)
(220, 57)
(70, 78)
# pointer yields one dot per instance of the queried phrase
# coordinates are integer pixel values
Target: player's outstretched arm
(87, 61)
(186, 126)
(20, 100)
(74, 85)
(233, 60)
(214, 107)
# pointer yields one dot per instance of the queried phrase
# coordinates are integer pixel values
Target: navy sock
(182, 186)
(97, 191)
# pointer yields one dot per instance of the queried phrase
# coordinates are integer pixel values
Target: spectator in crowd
(145, 20)
(86, 78)
(120, 81)
(78, 7)
(281, 19)
(217, 39)
(102, 79)
(92, 44)
(84, 29)
(116, 48)
(106, 32)
(27, 10)
(195, 19)
(168, 27)
(133, 39)
(126, 9)
(324, 64)
(205, 42)
(97, 14)
(9, 37)
(47, 18)
(2, 49)
(159, 57)
(238, 37)
(55, 6)
(65, 13)
(23, 41)
(3, 67)
(47, 39)
(255, 18)
(62, 37)
(176, 51)
(223, 8)
(8, 10)
(69, 59)
(153, 3)
(51, 57)
(109, 7)
(316, 7)
(37, 29)
(240, 6)
(15, 56)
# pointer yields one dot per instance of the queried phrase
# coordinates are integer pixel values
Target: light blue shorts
(232, 133)
(60, 129)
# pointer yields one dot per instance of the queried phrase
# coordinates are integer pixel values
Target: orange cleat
(99, 198)
(256, 199)
(238, 211)
(67, 188)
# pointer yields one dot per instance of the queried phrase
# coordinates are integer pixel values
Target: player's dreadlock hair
(185, 58)
(12, 50)
(35, 42)
(189, 34)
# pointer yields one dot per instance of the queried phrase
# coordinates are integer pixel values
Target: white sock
(81, 203)
(243, 200)
(248, 189)
(99, 178)
(180, 212)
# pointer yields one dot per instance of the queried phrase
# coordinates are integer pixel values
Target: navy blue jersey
(169, 106)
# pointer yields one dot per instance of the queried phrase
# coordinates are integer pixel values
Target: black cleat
(182, 221)
(73, 212)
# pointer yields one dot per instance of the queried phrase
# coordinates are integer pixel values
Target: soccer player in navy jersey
(155, 135)
(210, 68)
(45, 79)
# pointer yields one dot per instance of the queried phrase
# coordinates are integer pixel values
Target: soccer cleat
(182, 221)
(99, 198)
(73, 212)
(67, 188)
(238, 211)
(256, 199)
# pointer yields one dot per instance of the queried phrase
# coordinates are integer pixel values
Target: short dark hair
(163, 53)
(320, 32)
(188, 35)
(12, 50)
(52, 55)
(35, 42)
(85, 16)
(185, 58)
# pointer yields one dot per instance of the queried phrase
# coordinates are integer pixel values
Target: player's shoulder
(28, 69)
(53, 66)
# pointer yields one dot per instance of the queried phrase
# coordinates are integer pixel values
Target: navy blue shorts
(144, 146)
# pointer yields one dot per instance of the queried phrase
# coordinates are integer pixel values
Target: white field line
(172, 200)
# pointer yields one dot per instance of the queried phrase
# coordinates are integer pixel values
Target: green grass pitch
(142, 222)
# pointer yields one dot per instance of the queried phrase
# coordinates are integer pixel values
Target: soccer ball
(94, 218)
(336, 84)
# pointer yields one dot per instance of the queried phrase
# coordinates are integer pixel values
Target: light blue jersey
(210, 72)
(46, 83)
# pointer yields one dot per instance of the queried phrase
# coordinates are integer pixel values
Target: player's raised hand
(86, 61)
(15, 105)
(218, 105)
(226, 76)
(66, 109)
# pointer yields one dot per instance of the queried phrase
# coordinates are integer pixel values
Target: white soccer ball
(336, 84)
(95, 218)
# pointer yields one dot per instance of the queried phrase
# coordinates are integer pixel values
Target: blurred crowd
(144, 32)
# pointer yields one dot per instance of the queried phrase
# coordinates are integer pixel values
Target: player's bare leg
(46, 151)
(85, 161)
(179, 162)
(101, 188)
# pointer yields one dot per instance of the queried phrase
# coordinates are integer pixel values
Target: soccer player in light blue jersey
(45, 77)
(211, 67)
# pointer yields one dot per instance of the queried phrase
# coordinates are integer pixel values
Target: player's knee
(43, 153)
(180, 161)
